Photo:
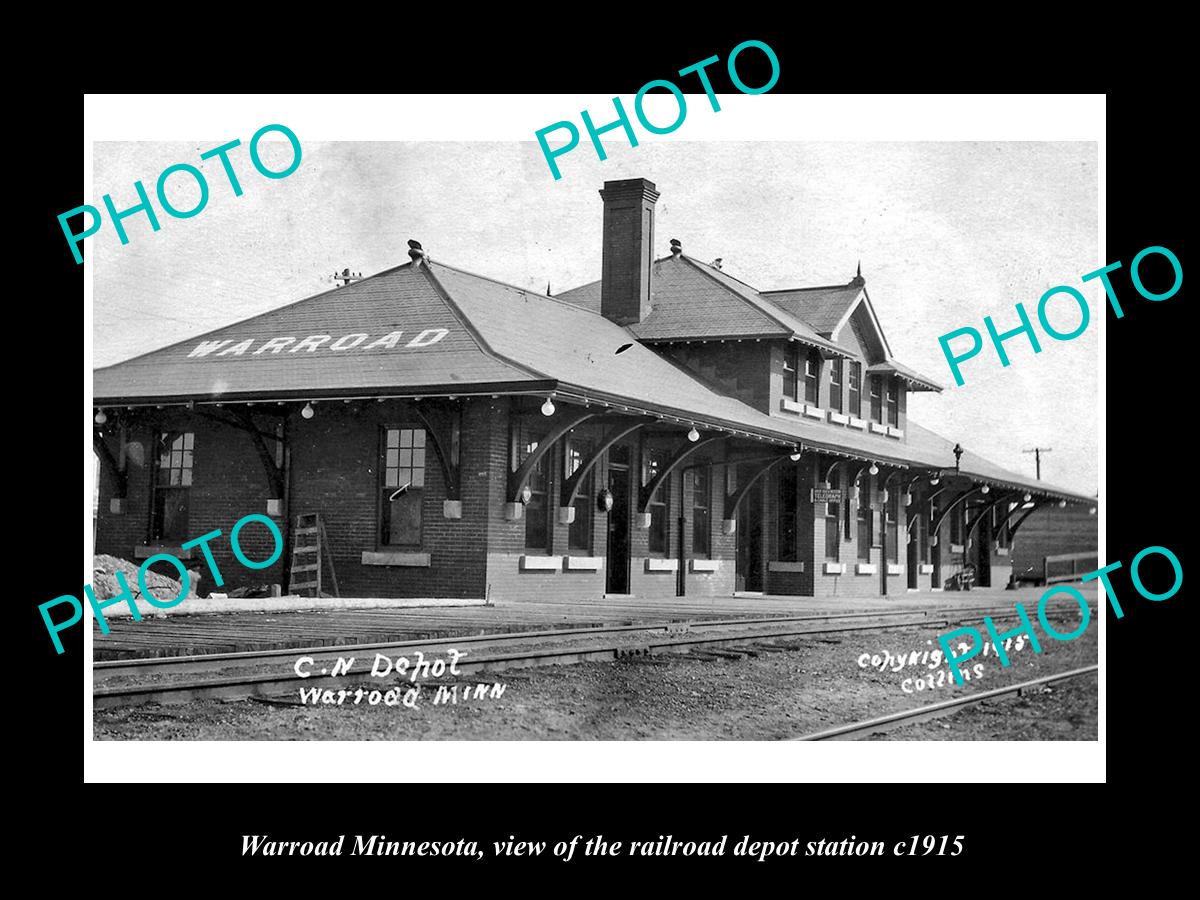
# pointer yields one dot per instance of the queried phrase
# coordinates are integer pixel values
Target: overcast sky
(946, 233)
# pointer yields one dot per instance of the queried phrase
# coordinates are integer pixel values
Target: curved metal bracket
(829, 471)
(518, 479)
(443, 438)
(110, 464)
(937, 526)
(570, 487)
(734, 500)
(986, 511)
(682, 453)
(1013, 530)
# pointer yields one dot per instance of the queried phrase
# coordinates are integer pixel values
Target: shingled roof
(474, 333)
(691, 300)
(821, 307)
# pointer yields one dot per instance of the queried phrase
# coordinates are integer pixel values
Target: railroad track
(929, 711)
(525, 649)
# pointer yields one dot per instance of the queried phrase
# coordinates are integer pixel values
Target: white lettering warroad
(389, 341)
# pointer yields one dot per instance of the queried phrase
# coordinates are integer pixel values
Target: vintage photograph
(419, 443)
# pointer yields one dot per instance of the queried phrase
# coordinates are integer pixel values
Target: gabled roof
(691, 300)
(821, 307)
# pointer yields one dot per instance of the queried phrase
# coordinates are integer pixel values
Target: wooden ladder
(308, 541)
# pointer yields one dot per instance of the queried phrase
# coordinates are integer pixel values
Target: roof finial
(548, 294)
(416, 251)
(858, 280)
(859, 272)
(676, 248)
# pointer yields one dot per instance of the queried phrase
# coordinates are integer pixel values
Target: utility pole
(1037, 456)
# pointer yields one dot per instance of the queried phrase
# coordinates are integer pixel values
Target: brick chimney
(628, 249)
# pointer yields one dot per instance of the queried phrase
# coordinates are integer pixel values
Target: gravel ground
(804, 686)
(1059, 712)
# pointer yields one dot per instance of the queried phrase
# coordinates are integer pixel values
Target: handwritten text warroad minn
(396, 695)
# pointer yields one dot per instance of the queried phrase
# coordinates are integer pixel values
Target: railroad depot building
(667, 430)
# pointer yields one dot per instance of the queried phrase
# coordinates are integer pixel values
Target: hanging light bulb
(308, 411)
(985, 489)
(548, 407)
(795, 457)
(693, 435)
(874, 470)
(934, 480)
(101, 418)
(1028, 496)
(1062, 504)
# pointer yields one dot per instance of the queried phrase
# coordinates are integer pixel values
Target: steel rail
(207, 662)
(935, 710)
(271, 683)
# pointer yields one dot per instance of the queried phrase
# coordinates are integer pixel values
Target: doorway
(616, 580)
(749, 568)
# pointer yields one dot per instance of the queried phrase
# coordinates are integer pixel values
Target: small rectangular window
(654, 459)
(403, 489)
(537, 526)
(790, 383)
(172, 486)
(786, 520)
(833, 520)
(892, 511)
(579, 536)
(835, 385)
(876, 399)
(893, 401)
(864, 518)
(701, 500)
(812, 378)
(855, 390)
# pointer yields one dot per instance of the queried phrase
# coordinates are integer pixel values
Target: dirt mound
(104, 581)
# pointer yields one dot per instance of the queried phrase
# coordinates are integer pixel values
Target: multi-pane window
(833, 519)
(537, 525)
(864, 517)
(835, 385)
(876, 399)
(172, 486)
(790, 376)
(892, 511)
(893, 401)
(854, 388)
(654, 460)
(403, 487)
(786, 520)
(579, 536)
(701, 501)
(812, 378)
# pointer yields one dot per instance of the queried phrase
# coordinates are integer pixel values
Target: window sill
(148, 550)
(583, 563)
(876, 428)
(866, 569)
(662, 565)
(541, 563)
(814, 412)
(838, 417)
(781, 566)
(895, 432)
(926, 568)
(407, 559)
(856, 422)
(895, 568)
(791, 406)
(703, 565)
(835, 568)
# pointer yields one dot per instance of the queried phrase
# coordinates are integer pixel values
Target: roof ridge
(472, 329)
(267, 312)
(522, 290)
(818, 287)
